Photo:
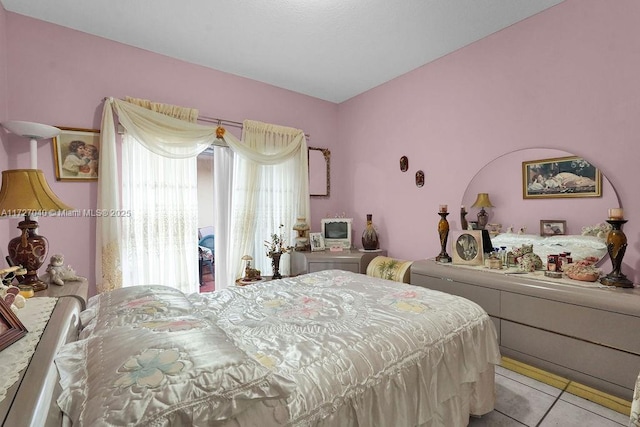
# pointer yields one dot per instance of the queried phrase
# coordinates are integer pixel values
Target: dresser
(577, 330)
(31, 400)
(354, 260)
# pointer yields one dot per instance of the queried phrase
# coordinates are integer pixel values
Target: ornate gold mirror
(319, 172)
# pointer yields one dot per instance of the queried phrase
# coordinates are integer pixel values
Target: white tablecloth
(13, 359)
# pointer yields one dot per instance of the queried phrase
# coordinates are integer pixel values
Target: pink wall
(565, 78)
(60, 77)
(4, 225)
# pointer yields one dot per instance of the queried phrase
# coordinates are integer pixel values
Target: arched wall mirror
(502, 180)
(319, 172)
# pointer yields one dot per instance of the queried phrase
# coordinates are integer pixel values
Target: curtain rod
(219, 122)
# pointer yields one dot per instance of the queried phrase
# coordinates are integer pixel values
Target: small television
(336, 232)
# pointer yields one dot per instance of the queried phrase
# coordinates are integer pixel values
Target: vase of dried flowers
(275, 265)
(275, 248)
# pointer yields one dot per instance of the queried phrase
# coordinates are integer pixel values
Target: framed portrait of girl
(76, 154)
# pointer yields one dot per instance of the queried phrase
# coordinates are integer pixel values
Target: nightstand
(354, 260)
(29, 399)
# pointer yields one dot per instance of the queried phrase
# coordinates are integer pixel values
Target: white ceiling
(329, 49)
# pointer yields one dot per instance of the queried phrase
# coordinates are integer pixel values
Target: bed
(331, 348)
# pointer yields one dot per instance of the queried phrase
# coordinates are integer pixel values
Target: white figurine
(9, 293)
(60, 273)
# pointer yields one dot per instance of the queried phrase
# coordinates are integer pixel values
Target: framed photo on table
(76, 154)
(553, 227)
(11, 329)
(466, 247)
(317, 242)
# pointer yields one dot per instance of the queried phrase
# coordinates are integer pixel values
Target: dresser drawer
(598, 326)
(352, 260)
(607, 369)
(488, 299)
(331, 265)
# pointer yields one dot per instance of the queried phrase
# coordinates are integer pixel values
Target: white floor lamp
(25, 192)
(33, 131)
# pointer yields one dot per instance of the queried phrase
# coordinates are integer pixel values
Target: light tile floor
(524, 401)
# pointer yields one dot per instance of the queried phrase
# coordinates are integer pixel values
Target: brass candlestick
(443, 231)
(616, 247)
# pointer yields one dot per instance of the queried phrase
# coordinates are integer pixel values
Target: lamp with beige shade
(482, 202)
(25, 192)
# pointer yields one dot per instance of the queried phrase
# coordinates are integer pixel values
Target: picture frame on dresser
(11, 328)
(317, 242)
(553, 227)
(467, 248)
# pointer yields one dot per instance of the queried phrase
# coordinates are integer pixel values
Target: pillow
(573, 240)
(173, 371)
(580, 247)
(512, 240)
(129, 305)
(390, 269)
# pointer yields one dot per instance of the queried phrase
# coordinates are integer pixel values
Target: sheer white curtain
(222, 194)
(160, 244)
(164, 136)
(270, 187)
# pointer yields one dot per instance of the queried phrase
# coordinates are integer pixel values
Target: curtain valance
(267, 154)
(181, 139)
(162, 134)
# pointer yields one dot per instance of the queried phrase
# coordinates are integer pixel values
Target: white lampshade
(33, 131)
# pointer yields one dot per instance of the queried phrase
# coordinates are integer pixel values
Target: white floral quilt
(325, 349)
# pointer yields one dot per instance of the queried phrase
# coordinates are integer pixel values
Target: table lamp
(25, 192)
(482, 202)
(302, 240)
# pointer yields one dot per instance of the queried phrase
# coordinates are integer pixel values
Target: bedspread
(361, 350)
